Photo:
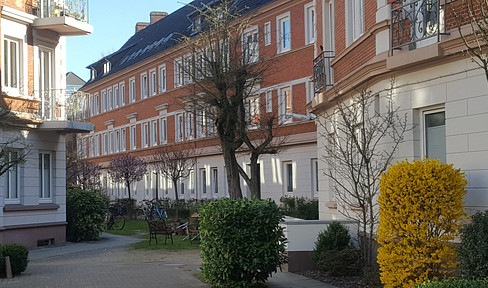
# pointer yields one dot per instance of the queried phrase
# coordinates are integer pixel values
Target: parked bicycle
(115, 216)
(154, 209)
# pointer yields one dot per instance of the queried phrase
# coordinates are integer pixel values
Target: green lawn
(132, 228)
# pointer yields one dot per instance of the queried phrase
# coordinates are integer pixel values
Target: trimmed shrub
(303, 208)
(334, 253)
(242, 242)
(473, 252)
(18, 258)
(421, 211)
(85, 213)
(455, 284)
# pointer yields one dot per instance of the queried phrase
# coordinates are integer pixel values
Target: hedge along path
(421, 211)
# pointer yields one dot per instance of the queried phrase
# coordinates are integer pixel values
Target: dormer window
(93, 73)
(197, 23)
(106, 67)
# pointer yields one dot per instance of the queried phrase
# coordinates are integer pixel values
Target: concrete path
(109, 264)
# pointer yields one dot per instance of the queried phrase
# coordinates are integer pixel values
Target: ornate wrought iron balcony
(322, 72)
(56, 105)
(413, 21)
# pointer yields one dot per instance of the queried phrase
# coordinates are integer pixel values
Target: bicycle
(115, 217)
(154, 210)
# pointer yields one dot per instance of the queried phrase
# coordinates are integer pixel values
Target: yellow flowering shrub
(421, 211)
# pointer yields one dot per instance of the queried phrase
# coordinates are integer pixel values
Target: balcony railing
(77, 9)
(322, 72)
(54, 105)
(413, 21)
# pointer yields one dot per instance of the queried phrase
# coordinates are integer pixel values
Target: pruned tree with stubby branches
(175, 163)
(127, 169)
(82, 173)
(224, 72)
(362, 138)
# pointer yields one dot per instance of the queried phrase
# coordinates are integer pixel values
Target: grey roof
(74, 80)
(158, 37)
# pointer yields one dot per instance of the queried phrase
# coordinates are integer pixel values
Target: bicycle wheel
(119, 222)
(109, 221)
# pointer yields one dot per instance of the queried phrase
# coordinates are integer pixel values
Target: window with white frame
(132, 90)
(144, 85)
(117, 141)
(106, 67)
(269, 101)
(310, 20)
(133, 137)
(13, 179)
(191, 181)
(110, 99)
(200, 69)
(289, 177)
(186, 69)
(203, 180)
(354, 20)
(91, 102)
(111, 142)
(252, 111)
(46, 80)
(12, 64)
(97, 104)
(179, 127)
(116, 96)
(104, 100)
(215, 180)
(152, 83)
(154, 133)
(97, 145)
(267, 33)
(435, 134)
(283, 36)
(285, 105)
(92, 147)
(122, 93)
(162, 78)
(178, 71)
(250, 45)
(163, 130)
(104, 144)
(189, 125)
(145, 134)
(123, 139)
(309, 90)
(45, 176)
(201, 123)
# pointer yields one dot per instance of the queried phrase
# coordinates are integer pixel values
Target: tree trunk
(255, 185)
(232, 170)
(129, 210)
(177, 200)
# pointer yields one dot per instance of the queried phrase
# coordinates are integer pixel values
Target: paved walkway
(109, 264)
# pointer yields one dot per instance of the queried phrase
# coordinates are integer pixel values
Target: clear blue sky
(113, 23)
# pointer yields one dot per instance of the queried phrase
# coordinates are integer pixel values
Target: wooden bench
(159, 227)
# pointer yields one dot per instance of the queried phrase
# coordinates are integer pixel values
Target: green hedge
(242, 242)
(18, 258)
(85, 214)
(303, 208)
(455, 284)
(473, 252)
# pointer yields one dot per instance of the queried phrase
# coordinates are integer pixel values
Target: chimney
(156, 16)
(141, 25)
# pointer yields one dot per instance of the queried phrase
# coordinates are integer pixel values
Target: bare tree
(361, 142)
(127, 169)
(13, 150)
(82, 173)
(224, 70)
(175, 164)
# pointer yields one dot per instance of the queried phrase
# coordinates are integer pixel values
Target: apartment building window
(250, 45)
(13, 179)
(104, 100)
(123, 139)
(104, 144)
(315, 177)
(92, 147)
(187, 69)
(110, 98)
(111, 142)
(252, 111)
(106, 67)
(289, 177)
(122, 93)
(269, 101)
(133, 137)
(154, 133)
(215, 180)
(285, 105)
(203, 180)
(435, 134)
(145, 134)
(144, 85)
(163, 130)
(162, 78)
(117, 141)
(178, 67)
(132, 90)
(267, 33)
(354, 20)
(97, 104)
(91, 102)
(97, 145)
(201, 123)
(152, 83)
(191, 181)
(116, 96)
(12, 65)
(45, 176)
(179, 127)
(189, 127)
(283, 32)
(309, 23)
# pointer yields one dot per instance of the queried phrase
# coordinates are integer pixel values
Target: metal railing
(55, 105)
(77, 9)
(413, 21)
(322, 71)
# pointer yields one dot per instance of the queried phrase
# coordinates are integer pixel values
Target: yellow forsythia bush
(421, 211)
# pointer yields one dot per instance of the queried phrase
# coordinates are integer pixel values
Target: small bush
(85, 213)
(242, 242)
(454, 284)
(334, 253)
(303, 208)
(473, 252)
(18, 258)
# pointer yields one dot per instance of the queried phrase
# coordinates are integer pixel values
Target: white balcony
(65, 17)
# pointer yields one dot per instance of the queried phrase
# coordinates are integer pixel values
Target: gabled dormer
(106, 66)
